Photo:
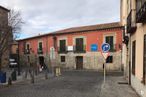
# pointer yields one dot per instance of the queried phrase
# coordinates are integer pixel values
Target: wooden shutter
(62, 45)
(110, 41)
(79, 44)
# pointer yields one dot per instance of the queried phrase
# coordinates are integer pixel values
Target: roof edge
(4, 8)
(54, 33)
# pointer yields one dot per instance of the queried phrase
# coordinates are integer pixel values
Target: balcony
(112, 48)
(115, 47)
(62, 50)
(40, 51)
(141, 14)
(27, 51)
(80, 49)
(131, 24)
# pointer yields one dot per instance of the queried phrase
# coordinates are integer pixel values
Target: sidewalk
(22, 79)
(116, 87)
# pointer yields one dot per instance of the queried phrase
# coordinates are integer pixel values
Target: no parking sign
(105, 48)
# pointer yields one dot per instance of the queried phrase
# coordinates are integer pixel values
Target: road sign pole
(104, 72)
(105, 48)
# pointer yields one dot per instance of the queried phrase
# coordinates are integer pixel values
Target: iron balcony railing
(79, 50)
(62, 50)
(141, 14)
(115, 47)
(131, 22)
(27, 51)
(40, 50)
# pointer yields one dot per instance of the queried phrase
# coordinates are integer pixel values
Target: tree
(10, 25)
(15, 22)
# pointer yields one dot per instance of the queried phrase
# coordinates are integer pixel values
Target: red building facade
(78, 47)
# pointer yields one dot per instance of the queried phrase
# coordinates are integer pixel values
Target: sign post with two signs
(105, 53)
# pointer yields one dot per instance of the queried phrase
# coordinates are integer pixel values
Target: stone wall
(92, 60)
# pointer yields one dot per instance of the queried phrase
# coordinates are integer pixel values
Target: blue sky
(44, 16)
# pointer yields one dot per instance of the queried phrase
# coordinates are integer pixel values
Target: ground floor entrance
(41, 60)
(79, 62)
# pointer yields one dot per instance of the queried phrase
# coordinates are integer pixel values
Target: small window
(62, 58)
(109, 59)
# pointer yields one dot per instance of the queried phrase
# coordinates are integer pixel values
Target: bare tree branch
(10, 26)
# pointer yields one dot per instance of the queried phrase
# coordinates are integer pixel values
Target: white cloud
(50, 15)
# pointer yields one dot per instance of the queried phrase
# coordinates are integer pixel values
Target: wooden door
(79, 62)
(41, 61)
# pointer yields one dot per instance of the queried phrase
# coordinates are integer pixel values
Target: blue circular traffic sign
(105, 47)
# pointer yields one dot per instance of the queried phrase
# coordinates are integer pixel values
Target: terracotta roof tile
(81, 29)
(90, 28)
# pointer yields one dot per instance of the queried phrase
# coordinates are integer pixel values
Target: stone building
(4, 28)
(134, 15)
(77, 47)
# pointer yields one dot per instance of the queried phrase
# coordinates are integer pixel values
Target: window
(27, 49)
(110, 41)
(139, 4)
(55, 42)
(62, 45)
(144, 61)
(40, 48)
(133, 56)
(79, 44)
(27, 46)
(62, 58)
(109, 59)
(24, 47)
(40, 45)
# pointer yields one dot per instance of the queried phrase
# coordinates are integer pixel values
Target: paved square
(70, 84)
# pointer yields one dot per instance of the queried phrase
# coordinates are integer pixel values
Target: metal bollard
(9, 81)
(14, 75)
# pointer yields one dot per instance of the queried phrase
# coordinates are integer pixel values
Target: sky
(44, 16)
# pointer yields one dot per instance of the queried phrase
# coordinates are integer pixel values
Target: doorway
(79, 62)
(41, 61)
